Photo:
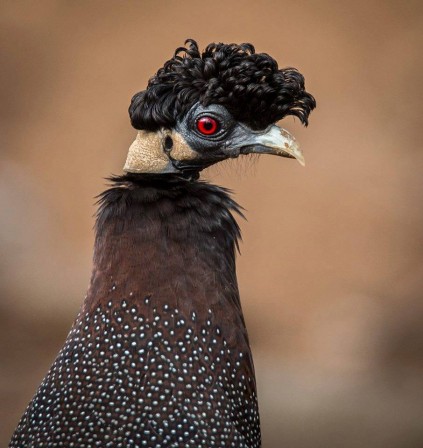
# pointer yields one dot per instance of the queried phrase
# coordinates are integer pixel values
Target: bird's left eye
(207, 125)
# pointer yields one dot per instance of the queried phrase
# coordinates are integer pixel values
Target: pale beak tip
(291, 146)
(296, 152)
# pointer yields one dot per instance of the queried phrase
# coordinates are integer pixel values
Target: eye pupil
(207, 125)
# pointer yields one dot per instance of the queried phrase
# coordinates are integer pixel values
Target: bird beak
(274, 140)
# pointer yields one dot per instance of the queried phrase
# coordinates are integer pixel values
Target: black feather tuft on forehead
(250, 85)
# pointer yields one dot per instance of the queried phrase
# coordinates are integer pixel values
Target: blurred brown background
(331, 272)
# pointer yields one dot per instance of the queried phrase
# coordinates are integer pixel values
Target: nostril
(168, 143)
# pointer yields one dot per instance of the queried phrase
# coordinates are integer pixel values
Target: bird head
(202, 108)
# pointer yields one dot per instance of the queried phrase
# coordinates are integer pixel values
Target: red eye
(207, 125)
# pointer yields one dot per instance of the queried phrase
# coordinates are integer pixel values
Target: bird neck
(159, 354)
(167, 238)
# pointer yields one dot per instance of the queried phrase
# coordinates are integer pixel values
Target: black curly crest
(250, 85)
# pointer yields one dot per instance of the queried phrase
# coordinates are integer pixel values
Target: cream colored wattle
(147, 153)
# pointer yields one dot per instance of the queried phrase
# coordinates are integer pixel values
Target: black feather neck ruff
(133, 196)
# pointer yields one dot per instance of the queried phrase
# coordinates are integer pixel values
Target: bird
(158, 355)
